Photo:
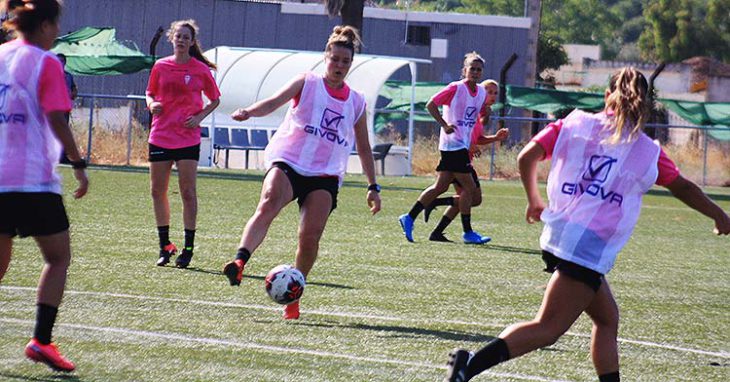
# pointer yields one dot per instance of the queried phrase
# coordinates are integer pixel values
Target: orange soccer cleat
(49, 355)
(234, 271)
(291, 311)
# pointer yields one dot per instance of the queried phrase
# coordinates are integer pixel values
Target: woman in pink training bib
(174, 99)
(602, 165)
(462, 103)
(33, 102)
(307, 157)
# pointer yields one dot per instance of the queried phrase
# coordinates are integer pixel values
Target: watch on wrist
(374, 187)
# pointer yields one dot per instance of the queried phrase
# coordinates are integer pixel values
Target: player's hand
(240, 115)
(448, 129)
(80, 175)
(722, 225)
(193, 121)
(155, 108)
(534, 210)
(373, 199)
(502, 134)
(475, 152)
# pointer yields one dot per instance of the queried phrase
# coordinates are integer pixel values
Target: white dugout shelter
(247, 75)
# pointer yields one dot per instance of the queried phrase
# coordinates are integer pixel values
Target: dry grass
(688, 158)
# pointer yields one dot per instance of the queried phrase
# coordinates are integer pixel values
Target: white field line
(266, 348)
(721, 354)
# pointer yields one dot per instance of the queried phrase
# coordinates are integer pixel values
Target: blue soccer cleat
(472, 237)
(406, 222)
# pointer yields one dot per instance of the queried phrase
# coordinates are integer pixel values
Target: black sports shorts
(303, 185)
(32, 214)
(578, 272)
(161, 154)
(455, 161)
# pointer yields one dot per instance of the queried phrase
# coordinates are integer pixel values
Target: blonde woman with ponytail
(602, 165)
(307, 157)
(174, 99)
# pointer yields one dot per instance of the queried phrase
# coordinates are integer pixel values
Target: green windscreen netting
(95, 51)
(397, 95)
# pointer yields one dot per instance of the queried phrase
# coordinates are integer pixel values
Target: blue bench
(238, 140)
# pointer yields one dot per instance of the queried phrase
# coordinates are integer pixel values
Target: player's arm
(527, 160)
(366, 160)
(689, 193)
(268, 105)
(57, 120)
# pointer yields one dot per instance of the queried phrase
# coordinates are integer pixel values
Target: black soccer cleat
(165, 254)
(456, 366)
(183, 260)
(438, 236)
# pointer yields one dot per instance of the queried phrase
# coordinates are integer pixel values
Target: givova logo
(599, 166)
(328, 128)
(470, 117)
(5, 117)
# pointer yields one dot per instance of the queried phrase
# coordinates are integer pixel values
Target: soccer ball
(284, 284)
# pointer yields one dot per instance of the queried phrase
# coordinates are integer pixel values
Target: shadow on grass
(504, 248)
(51, 378)
(255, 277)
(394, 331)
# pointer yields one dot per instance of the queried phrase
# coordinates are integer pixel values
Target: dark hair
(195, 50)
(28, 15)
(627, 99)
(345, 36)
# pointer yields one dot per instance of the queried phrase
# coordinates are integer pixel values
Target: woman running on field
(463, 101)
(602, 165)
(34, 101)
(174, 97)
(477, 139)
(307, 157)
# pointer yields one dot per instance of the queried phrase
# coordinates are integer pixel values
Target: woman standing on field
(175, 101)
(34, 101)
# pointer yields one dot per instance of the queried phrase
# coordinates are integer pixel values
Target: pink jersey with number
(32, 84)
(179, 87)
(318, 134)
(463, 112)
(595, 191)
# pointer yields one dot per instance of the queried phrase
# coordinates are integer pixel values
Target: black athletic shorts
(455, 161)
(161, 154)
(577, 272)
(303, 185)
(473, 176)
(32, 214)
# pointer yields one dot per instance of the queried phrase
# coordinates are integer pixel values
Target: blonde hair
(345, 36)
(488, 82)
(195, 50)
(627, 99)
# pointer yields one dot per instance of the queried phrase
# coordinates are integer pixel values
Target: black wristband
(374, 187)
(79, 165)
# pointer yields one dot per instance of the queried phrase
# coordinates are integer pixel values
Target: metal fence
(114, 129)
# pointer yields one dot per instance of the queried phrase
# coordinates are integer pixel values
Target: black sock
(189, 239)
(495, 352)
(243, 254)
(466, 222)
(45, 318)
(163, 232)
(448, 201)
(610, 377)
(445, 221)
(417, 208)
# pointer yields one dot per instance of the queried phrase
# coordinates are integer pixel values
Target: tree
(550, 52)
(680, 29)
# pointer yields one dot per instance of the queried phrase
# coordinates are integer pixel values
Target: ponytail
(345, 36)
(628, 100)
(195, 50)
